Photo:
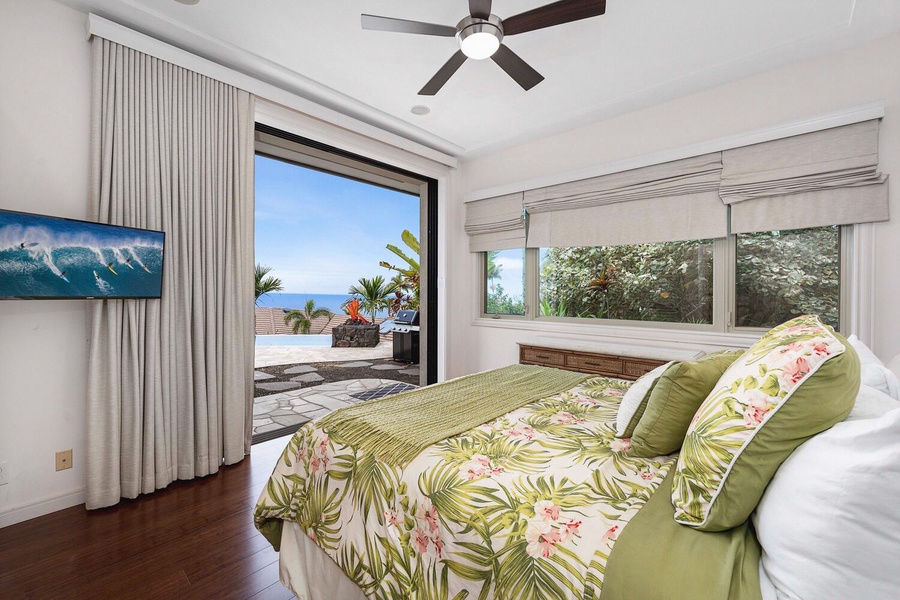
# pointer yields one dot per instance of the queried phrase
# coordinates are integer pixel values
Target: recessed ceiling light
(420, 110)
(189, 2)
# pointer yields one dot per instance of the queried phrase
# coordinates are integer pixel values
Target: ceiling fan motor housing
(479, 38)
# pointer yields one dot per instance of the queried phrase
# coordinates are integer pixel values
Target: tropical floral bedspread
(527, 506)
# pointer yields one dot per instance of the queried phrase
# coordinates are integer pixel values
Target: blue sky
(320, 232)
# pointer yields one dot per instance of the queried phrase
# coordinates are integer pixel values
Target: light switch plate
(4, 472)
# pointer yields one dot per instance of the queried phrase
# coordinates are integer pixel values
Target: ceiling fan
(480, 36)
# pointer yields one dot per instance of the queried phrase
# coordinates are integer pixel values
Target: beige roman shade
(827, 177)
(496, 223)
(667, 202)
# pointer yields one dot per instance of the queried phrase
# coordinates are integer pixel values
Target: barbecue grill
(406, 336)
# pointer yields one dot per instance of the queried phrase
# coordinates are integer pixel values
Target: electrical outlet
(4, 473)
(64, 460)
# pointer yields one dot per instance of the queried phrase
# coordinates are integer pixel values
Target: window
(771, 277)
(783, 274)
(669, 282)
(504, 290)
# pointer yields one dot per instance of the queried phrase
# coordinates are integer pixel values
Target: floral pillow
(796, 381)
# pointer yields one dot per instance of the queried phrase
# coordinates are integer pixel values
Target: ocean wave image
(48, 257)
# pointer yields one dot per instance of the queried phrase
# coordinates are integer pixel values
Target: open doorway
(343, 247)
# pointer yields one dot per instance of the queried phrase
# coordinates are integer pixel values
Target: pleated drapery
(170, 381)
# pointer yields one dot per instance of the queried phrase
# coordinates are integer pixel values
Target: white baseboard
(39, 508)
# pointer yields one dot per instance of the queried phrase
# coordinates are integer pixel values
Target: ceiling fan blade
(443, 75)
(480, 9)
(516, 68)
(549, 15)
(403, 26)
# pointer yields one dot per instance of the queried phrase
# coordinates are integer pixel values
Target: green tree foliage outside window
(499, 301)
(783, 274)
(669, 282)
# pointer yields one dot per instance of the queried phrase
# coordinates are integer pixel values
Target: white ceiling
(640, 53)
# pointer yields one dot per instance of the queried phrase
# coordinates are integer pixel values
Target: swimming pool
(293, 340)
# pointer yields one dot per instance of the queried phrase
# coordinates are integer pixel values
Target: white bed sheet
(310, 573)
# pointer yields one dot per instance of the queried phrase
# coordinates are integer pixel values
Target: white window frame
(856, 300)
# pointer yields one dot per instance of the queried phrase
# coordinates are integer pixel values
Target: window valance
(667, 202)
(827, 177)
(496, 223)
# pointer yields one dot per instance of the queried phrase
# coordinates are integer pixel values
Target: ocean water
(330, 301)
(48, 257)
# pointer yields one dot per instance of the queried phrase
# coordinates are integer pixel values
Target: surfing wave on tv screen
(49, 257)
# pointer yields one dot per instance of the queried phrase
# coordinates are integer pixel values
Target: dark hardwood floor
(194, 539)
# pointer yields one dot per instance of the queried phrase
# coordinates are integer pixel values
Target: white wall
(45, 79)
(827, 84)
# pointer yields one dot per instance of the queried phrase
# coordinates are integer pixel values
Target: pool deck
(267, 356)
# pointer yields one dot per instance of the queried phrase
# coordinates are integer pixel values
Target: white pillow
(873, 372)
(828, 523)
(632, 398)
(871, 404)
(894, 365)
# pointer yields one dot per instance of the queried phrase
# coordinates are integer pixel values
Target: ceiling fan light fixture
(479, 38)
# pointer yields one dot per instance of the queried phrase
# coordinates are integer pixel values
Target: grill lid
(407, 317)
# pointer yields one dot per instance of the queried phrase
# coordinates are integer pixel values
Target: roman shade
(496, 223)
(667, 202)
(827, 177)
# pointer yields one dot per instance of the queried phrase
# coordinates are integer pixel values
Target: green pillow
(639, 412)
(635, 401)
(674, 401)
(796, 381)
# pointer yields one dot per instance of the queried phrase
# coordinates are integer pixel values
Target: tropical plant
(265, 283)
(374, 294)
(407, 278)
(352, 309)
(558, 310)
(493, 270)
(669, 282)
(301, 320)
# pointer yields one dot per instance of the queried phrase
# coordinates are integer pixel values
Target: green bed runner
(655, 558)
(397, 428)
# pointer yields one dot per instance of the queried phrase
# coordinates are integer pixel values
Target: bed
(539, 501)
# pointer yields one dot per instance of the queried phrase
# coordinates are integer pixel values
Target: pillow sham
(635, 401)
(873, 372)
(828, 523)
(674, 400)
(800, 378)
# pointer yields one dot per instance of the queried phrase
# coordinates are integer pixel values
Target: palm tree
(493, 270)
(410, 273)
(301, 320)
(374, 294)
(265, 284)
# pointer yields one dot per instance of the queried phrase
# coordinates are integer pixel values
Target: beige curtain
(170, 380)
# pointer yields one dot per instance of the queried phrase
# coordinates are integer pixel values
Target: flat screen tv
(54, 258)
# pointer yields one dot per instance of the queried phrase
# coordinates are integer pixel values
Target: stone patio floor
(295, 407)
(292, 408)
